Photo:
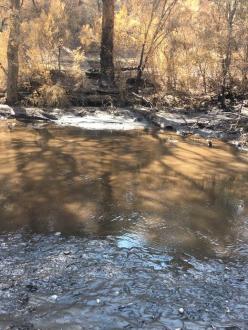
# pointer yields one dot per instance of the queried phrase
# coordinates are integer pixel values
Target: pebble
(31, 287)
(210, 143)
(228, 310)
(54, 297)
(98, 301)
(181, 310)
(66, 253)
(58, 233)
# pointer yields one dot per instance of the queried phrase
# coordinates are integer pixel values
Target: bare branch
(4, 70)
(34, 3)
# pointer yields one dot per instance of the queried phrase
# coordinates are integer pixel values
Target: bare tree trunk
(170, 68)
(202, 70)
(231, 9)
(226, 63)
(140, 69)
(107, 43)
(13, 51)
(245, 68)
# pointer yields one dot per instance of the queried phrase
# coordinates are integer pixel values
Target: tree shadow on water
(65, 182)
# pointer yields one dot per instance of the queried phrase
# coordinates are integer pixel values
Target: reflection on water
(147, 189)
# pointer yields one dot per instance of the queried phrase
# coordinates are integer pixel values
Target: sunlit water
(146, 189)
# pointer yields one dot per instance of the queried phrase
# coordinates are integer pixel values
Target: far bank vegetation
(166, 52)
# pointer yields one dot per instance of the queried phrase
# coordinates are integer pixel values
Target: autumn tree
(228, 9)
(155, 31)
(13, 51)
(192, 47)
(242, 42)
(3, 45)
(107, 43)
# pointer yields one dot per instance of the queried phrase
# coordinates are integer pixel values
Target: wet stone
(181, 310)
(31, 287)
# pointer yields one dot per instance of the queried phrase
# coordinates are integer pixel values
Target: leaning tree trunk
(107, 43)
(12, 52)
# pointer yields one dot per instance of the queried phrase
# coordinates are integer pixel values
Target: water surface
(145, 189)
(121, 230)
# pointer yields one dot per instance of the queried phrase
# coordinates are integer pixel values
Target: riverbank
(229, 126)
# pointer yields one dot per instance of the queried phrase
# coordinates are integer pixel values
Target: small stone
(66, 253)
(31, 287)
(98, 301)
(181, 310)
(228, 310)
(54, 297)
(210, 143)
(117, 293)
(58, 233)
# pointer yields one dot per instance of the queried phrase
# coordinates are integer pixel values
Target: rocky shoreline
(231, 126)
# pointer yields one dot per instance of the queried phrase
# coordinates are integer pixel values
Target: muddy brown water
(113, 230)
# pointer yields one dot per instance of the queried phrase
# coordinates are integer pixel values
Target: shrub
(50, 96)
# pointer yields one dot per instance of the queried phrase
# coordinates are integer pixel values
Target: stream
(121, 230)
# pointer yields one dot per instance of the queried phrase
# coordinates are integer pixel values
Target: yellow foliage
(90, 35)
(190, 48)
(49, 95)
(193, 4)
(43, 36)
(3, 58)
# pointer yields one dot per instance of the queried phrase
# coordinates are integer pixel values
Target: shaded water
(149, 223)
